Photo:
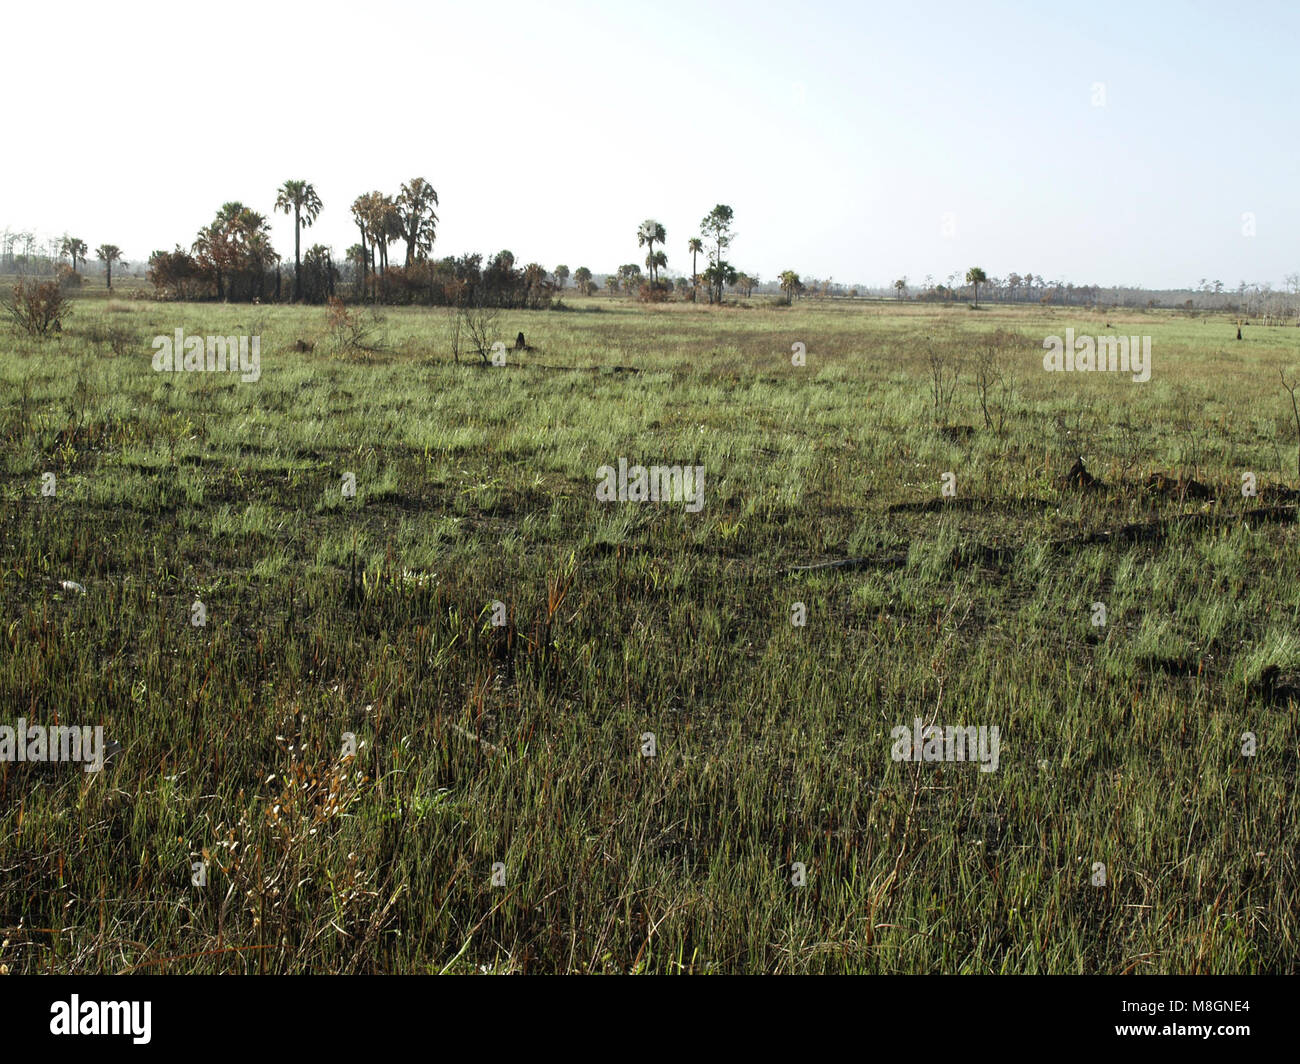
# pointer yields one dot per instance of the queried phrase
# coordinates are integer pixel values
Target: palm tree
(385, 226)
(419, 223)
(258, 252)
(209, 250)
(655, 263)
(393, 225)
(790, 284)
(236, 244)
(74, 248)
(976, 276)
(648, 235)
(719, 274)
(695, 245)
(301, 198)
(109, 254)
(380, 222)
(361, 215)
(900, 286)
(535, 283)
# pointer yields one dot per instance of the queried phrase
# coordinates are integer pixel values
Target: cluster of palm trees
(233, 256)
(714, 228)
(233, 253)
(408, 217)
(582, 279)
(76, 248)
(648, 234)
(235, 250)
(791, 285)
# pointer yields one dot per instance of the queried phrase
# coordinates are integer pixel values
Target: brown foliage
(37, 308)
(659, 292)
(351, 331)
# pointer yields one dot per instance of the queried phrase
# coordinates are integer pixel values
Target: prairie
(638, 761)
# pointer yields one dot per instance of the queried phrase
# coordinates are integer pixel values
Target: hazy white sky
(841, 133)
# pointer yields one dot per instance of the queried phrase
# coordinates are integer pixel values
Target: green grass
(522, 744)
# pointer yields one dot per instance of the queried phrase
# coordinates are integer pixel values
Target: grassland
(522, 743)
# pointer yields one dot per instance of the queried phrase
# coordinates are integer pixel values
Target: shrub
(658, 292)
(37, 308)
(351, 331)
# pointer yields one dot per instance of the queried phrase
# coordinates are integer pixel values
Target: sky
(1146, 144)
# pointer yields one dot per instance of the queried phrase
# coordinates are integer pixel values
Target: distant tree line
(232, 259)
